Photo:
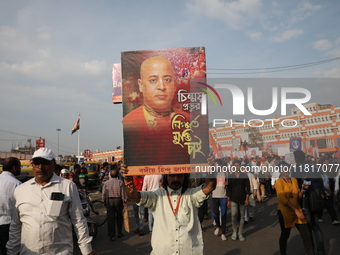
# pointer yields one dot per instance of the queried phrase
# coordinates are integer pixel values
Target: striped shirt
(113, 188)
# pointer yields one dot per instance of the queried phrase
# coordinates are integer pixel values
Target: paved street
(261, 236)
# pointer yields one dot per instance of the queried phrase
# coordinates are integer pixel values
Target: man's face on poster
(157, 83)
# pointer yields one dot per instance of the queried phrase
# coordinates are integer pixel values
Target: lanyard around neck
(177, 206)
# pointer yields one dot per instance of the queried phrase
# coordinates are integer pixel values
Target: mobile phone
(57, 196)
(307, 182)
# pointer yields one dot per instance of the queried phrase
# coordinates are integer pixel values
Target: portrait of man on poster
(148, 128)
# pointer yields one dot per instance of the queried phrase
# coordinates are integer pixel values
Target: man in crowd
(104, 175)
(315, 183)
(73, 163)
(149, 126)
(238, 193)
(11, 167)
(219, 202)
(114, 199)
(175, 211)
(151, 182)
(45, 209)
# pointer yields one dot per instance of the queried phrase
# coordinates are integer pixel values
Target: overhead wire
(271, 69)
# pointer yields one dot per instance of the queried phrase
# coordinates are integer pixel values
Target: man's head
(57, 169)
(114, 173)
(65, 173)
(105, 165)
(43, 163)
(176, 181)
(299, 156)
(12, 165)
(237, 165)
(284, 169)
(76, 169)
(157, 83)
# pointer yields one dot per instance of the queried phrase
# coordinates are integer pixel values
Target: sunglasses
(43, 162)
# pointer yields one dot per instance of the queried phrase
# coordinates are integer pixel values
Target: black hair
(237, 161)
(299, 155)
(8, 164)
(282, 163)
(220, 162)
(185, 186)
(111, 173)
(57, 168)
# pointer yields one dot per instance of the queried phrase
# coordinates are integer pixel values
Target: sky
(56, 56)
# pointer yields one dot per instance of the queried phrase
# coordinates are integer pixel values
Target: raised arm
(131, 191)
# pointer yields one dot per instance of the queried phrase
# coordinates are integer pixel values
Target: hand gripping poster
(165, 117)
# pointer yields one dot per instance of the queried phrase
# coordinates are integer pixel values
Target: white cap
(44, 153)
(64, 171)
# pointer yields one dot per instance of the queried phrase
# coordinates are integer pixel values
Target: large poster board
(165, 117)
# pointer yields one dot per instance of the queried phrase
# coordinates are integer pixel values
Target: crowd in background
(258, 185)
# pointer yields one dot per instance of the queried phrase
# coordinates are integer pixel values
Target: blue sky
(56, 56)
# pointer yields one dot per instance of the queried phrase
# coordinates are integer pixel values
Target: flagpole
(79, 137)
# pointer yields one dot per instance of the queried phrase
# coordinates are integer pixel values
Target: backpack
(316, 199)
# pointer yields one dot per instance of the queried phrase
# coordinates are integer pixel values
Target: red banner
(40, 143)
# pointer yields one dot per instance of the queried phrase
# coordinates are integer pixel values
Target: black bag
(316, 199)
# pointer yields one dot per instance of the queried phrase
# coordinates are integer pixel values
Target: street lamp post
(58, 129)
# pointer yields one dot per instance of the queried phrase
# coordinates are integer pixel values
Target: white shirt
(270, 167)
(38, 229)
(220, 190)
(253, 186)
(7, 185)
(275, 177)
(151, 182)
(180, 234)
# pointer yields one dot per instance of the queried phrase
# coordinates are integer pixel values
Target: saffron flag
(75, 127)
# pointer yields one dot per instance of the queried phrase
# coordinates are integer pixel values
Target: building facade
(318, 132)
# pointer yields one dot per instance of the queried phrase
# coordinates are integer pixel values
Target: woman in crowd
(289, 212)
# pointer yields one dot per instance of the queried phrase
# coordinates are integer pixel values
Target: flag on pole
(76, 126)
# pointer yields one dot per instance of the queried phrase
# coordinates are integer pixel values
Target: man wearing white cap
(44, 208)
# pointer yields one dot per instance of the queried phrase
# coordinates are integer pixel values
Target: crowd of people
(175, 204)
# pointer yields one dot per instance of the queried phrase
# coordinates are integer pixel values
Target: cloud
(286, 35)
(236, 14)
(337, 41)
(332, 73)
(304, 10)
(322, 45)
(254, 35)
(256, 19)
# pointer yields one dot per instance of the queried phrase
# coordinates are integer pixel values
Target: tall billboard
(165, 117)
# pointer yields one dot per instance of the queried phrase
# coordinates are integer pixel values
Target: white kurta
(180, 234)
